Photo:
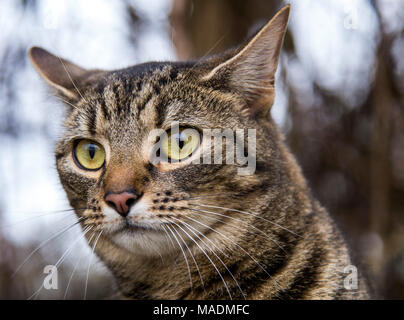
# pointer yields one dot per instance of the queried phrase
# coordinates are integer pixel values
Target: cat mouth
(129, 227)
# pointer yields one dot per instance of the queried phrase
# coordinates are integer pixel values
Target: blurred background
(339, 101)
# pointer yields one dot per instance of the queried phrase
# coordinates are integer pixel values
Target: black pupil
(180, 143)
(92, 149)
(181, 140)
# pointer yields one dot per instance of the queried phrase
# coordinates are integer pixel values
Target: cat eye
(89, 155)
(180, 145)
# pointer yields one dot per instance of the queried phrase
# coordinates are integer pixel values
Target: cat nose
(123, 201)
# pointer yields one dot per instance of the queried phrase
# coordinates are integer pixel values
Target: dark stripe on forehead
(166, 79)
(142, 105)
(193, 96)
(92, 119)
(173, 73)
(161, 108)
(157, 86)
(124, 91)
(139, 84)
(105, 111)
(117, 99)
(149, 96)
(100, 93)
(130, 93)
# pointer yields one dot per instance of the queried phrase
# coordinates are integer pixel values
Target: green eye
(178, 146)
(89, 154)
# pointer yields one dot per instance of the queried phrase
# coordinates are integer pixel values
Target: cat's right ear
(250, 72)
(64, 76)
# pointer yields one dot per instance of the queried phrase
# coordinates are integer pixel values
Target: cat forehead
(136, 86)
(146, 96)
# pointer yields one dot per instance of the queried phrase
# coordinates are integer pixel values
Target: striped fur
(261, 236)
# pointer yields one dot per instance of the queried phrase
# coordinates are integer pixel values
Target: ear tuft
(251, 72)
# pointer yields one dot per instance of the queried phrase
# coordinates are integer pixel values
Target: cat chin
(138, 233)
(138, 222)
(140, 241)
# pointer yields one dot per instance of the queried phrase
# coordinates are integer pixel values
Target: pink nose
(121, 202)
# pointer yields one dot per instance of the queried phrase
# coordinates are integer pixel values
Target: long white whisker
(248, 213)
(236, 219)
(183, 253)
(89, 264)
(224, 282)
(168, 236)
(221, 261)
(55, 235)
(236, 244)
(59, 262)
(203, 197)
(170, 240)
(210, 241)
(192, 256)
(36, 216)
(74, 270)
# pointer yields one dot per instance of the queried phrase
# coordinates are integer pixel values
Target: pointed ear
(63, 75)
(251, 71)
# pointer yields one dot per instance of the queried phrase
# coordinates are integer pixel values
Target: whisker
(30, 219)
(236, 244)
(204, 197)
(168, 236)
(213, 264)
(59, 262)
(42, 244)
(89, 264)
(239, 220)
(221, 261)
(210, 241)
(74, 269)
(48, 212)
(183, 253)
(192, 256)
(249, 213)
(37, 216)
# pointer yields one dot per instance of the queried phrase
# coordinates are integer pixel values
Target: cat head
(115, 178)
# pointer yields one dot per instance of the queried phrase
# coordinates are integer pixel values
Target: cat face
(124, 193)
(106, 159)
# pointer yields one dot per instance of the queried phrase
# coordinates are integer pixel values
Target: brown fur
(262, 236)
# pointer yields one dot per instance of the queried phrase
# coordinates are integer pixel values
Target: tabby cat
(179, 229)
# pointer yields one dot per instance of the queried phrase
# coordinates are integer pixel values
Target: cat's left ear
(251, 71)
(68, 79)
